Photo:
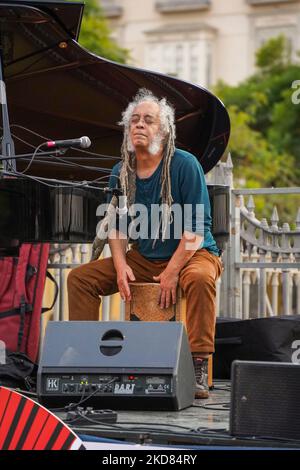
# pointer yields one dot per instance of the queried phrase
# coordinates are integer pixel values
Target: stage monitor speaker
(265, 400)
(118, 365)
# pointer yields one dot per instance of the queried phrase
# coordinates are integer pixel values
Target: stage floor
(206, 423)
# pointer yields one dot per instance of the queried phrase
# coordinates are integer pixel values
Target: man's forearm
(187, 247)
(118, 246)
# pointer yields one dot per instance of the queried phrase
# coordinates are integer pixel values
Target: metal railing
(262, 260)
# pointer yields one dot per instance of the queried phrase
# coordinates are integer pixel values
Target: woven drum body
(144, 304)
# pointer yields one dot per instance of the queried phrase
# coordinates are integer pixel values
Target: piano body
(55, 89)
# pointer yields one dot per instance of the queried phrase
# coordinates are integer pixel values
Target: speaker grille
(265, 400)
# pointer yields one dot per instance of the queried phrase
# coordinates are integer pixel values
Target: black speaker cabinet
(265, 400)
(118, 365)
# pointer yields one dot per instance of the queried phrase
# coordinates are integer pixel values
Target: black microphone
(82, 142)
(113, 191)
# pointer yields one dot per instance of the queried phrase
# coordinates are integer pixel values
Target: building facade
(201, 41)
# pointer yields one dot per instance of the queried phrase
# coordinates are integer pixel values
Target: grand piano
(55, 89)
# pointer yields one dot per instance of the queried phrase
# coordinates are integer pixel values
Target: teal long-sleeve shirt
(189, 192)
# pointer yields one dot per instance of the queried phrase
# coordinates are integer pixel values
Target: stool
(144, 307)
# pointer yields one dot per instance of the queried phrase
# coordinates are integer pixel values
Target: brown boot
(201, 373)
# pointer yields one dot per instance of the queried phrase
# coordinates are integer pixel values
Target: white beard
(153, 148)
(155, 145)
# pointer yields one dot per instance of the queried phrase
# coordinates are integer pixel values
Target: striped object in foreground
(26, 425)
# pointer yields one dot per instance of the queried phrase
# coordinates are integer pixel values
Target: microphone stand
(10, 171)
(7, 143)
(40, 154)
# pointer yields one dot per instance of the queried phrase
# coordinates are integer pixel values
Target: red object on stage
(21, 293)
(26, 425)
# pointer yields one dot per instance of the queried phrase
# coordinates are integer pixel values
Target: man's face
(145, 125)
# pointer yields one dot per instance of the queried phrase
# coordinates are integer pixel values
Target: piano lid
(67, 14)
(59, 90)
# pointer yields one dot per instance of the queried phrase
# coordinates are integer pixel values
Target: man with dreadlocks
(154, 172)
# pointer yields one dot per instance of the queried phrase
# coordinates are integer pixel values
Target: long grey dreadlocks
(128, 169)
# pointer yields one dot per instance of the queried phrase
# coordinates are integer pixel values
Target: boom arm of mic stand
(40, 154)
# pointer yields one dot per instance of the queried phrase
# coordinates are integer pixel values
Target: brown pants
(197, 280)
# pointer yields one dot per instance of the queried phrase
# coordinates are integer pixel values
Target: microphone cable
(32, 159)
(58, 183)
(64, 161)
(98, 156)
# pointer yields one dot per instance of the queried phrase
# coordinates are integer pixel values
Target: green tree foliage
(274, 54)
(265, 138)
(95, 34)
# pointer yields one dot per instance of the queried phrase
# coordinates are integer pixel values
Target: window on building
(111, 8)
(169, 6)
(187, 60)
(268, 2)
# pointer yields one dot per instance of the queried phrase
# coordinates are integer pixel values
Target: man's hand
(168, 284)
(125, 275)
(169, 277)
